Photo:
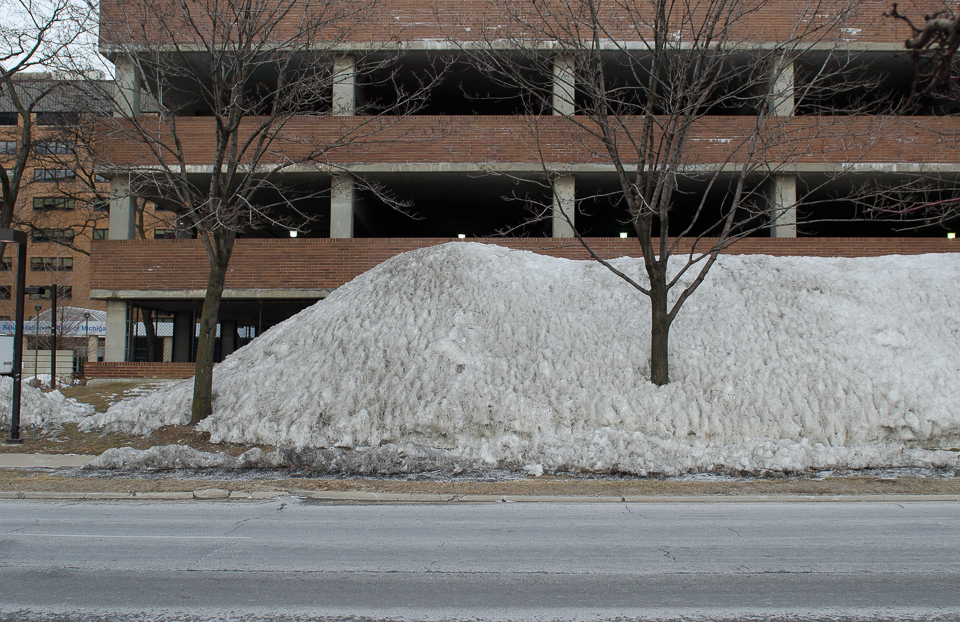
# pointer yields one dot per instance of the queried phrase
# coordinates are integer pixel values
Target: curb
(377, 498)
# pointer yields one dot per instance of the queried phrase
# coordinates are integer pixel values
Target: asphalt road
(292, 560)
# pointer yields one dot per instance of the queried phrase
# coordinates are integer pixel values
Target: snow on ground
(476, 354)
(39, 408)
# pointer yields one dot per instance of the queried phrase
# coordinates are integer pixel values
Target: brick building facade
(460, 158)
(57, 207)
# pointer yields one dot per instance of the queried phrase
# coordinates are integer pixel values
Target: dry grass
(69, 440)
(19, 480)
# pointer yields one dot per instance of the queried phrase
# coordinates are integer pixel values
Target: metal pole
(20, 239)
(53, 334)
(36, 341)
(86, 336)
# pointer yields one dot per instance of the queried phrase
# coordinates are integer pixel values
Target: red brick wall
(406, 20)
(144, 371)
(514, 139)
(328, 263)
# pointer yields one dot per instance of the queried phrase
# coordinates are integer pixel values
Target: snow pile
(481, 354)
(39, 408)
(178, 457)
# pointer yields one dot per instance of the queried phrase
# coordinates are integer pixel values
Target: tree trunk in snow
(659, 332)
(203, 380)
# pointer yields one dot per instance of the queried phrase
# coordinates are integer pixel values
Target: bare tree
(932, 48)
(75, 199)
(261, 74)
(930, 197)
(35, 36)
(637, 86)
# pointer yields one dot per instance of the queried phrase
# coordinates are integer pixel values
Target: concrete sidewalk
(43, 461)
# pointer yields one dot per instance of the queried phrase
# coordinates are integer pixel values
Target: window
(5, 292)
(54, 147)
(51, 263)
(54, 174)
(101, 206)
(7, 264)
(5, 318)
(64, 292)
(8, 147)
(58, 118)
(99, 234)
(53, 235)
(164, 234)
(9, 118)
(100, 179)
(52, 203)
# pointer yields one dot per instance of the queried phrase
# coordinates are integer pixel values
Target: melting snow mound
(501, 357)
(39, 408)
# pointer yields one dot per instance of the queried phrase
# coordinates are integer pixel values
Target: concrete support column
(783, 206)
(126, 91)
(93, 349)
(564, 204)
(228, 338)
(183, 330)
(123, 209)
(564, 86)
(115, 341)
(782, 103)
(341, 207)
(345, 86)
(783, 191)
(167, 349)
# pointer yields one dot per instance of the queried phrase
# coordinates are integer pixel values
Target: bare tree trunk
(203, 381)
(659, 331)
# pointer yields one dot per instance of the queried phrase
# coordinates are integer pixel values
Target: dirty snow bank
(482, 354)
(638, 455)
(39, 408)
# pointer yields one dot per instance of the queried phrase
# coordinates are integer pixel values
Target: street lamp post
(10, 237)
(86, 336)
(36, 340)
(53, 336)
